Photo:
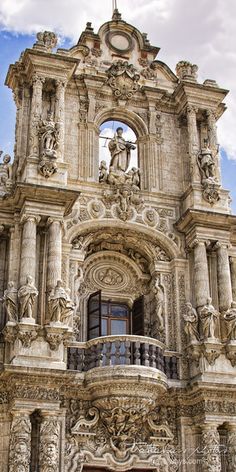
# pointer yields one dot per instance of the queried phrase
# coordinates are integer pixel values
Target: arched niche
(108, 131)
(139, 127)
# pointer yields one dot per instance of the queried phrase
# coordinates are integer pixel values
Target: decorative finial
(115, 15)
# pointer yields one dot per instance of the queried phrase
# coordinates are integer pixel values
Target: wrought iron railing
(121, 350)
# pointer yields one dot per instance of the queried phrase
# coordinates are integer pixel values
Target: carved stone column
(35, 115)
(20, 442)
(60, 115)
(49, 451)
(224, 279)
(210, 448)
(231, 448)
(54, 252)
(232, 261)
(193, 141)
(28, 247)
(201, 278)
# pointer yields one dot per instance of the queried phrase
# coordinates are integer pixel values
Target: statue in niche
(5, 175)
(49, 136)
(103, 173)
(27, 295)
(160, 302)
(61, 308)
(120, 151)
(191, 323)
(10, 302)
(230, 318)
(209, 318)
(206, 163)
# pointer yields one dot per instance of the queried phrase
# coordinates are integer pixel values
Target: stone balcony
(123, 366)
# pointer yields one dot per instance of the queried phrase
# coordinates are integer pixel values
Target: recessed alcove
(107, 132)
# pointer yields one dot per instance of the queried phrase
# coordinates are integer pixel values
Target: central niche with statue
(120, 174)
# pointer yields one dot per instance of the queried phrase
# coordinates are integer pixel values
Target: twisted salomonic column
(231, 448)
(224, 279)
(36, 111)
(54, 252)
(20, 442)
(201, 277)
(60, 115)
(49, 450)
(210, 448)
(193, 141)
(28, 247)
(232, 261)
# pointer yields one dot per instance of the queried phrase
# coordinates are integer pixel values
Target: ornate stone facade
(117, 281)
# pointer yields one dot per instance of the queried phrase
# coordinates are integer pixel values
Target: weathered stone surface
(149, 249)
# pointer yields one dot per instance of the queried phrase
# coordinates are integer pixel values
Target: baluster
(70, 358)
(167, 367)
(160, 359)
(108, 354)
(127, 352)
(152, 356)
(99, 354)
(87, 359)
(93, 357)
(117, 352)
(145, 354)
(174, 368)
(137, 353)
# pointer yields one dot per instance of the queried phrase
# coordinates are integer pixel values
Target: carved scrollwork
(123, 79)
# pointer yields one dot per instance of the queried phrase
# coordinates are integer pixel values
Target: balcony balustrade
(123, 350)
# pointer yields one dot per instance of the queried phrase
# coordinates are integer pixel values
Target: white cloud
(202, 32)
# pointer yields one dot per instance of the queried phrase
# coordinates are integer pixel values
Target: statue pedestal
(230, 350)
(31, 345)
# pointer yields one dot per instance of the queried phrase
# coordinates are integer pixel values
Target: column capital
(54, 219)
(61, 83)
(199, 242)
(28, 217)
(222, 245)
(210, 426)
(191, 110)
(37, 79)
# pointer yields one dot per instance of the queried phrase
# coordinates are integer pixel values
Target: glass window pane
(119, 310)
(104, 327)
(118, 327)
(104, 308)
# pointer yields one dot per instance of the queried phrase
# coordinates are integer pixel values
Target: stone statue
(61, 307)
(67, 313)
(160, 300)
(133, 177)
(206, 164)
(103, 173)
(230, 318)
(191, 323)
(10, 302)
(209, 320)
(120, 151)
(5, 175)
(27, 295)
(49, 135)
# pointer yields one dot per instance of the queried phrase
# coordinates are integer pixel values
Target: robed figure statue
(120, 151)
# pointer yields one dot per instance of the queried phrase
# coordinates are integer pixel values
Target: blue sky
(203, 35)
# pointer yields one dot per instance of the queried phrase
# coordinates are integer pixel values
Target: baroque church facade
(117, 282)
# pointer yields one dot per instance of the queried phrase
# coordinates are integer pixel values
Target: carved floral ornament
(141, 252)
(114, 435)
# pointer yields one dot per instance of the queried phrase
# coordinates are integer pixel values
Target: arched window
(107, 317)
